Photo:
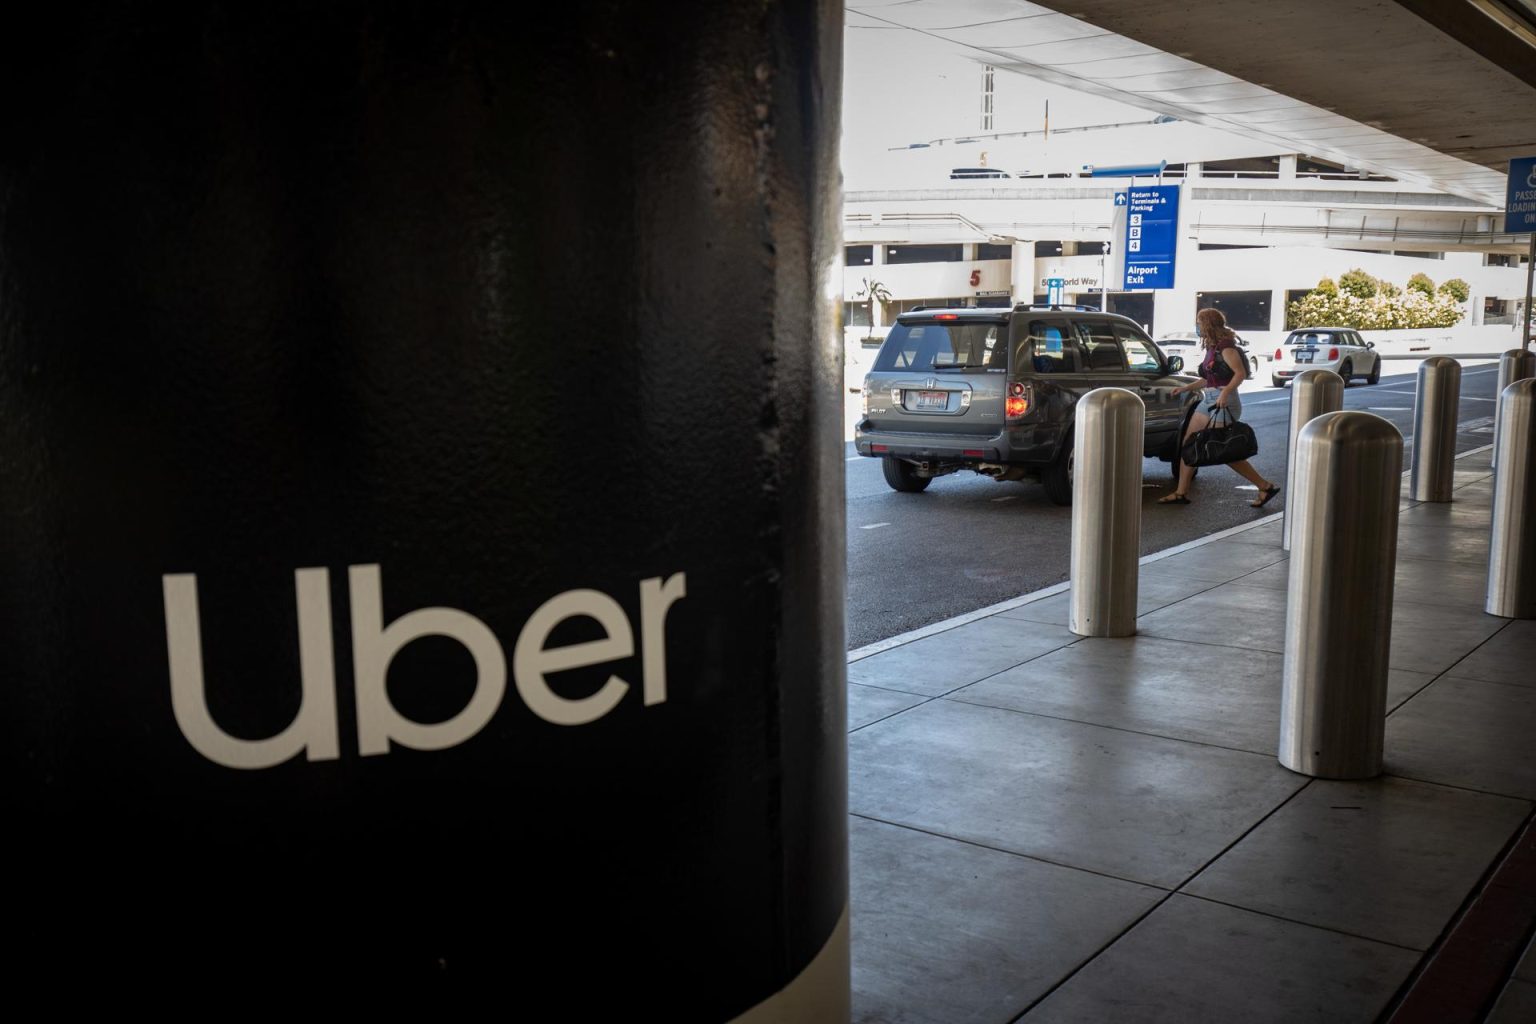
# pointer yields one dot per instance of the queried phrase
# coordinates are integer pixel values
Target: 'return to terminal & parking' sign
(1151, 235)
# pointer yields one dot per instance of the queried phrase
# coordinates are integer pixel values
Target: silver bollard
(1338, 619)
(1313, 393)
(1434, 429)
(1106, 512)
(1516, 364)
(1512, 553)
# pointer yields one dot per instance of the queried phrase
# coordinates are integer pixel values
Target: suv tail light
(1279, 354)
(1333, 354)
(864, 395)
(1017, 403)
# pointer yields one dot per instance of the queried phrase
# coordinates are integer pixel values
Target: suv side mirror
(1175, 364)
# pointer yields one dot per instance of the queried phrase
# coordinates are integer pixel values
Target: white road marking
(855, 458)
(1246, 487)
(874, 526)
(1474, 398)
(1389, 408)
(1006, 497)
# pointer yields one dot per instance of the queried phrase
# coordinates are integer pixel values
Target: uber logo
(374, 645)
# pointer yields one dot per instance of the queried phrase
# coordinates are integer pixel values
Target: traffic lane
(968, 541)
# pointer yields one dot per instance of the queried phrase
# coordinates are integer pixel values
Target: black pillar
(421, 557)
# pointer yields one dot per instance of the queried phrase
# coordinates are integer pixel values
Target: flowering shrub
(1358, 283)
(1457, 289)
(1364, 303)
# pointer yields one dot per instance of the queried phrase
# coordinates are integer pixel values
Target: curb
(932, 629)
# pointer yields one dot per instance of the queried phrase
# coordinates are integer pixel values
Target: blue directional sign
(1053, 290)
(1151, 235)
(1520, 197)
(1120, 198)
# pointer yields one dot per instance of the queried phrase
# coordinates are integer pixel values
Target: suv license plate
(932, 400)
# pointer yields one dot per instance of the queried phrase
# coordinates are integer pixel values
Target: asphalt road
(968, 541)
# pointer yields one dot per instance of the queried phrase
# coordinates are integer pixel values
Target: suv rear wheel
(1057, 477)
(902, 475)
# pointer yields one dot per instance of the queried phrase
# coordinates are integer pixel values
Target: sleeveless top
(1214, 367)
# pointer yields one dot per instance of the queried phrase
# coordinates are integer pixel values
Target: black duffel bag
(1224, 440)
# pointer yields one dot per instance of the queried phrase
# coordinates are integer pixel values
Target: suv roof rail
(973, 310)
(1025, 307)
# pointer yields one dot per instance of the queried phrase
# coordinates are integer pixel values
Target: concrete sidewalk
(1076, 829)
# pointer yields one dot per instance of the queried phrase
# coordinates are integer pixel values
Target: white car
(1326, 348)
(1186, 344)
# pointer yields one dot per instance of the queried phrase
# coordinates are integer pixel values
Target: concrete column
(299, 366)
(1022, 272)
(1277, 310)
(1194, 169)
(1288, 166)
(1174, 309)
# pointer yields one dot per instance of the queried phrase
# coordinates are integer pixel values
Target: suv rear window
(921, 347)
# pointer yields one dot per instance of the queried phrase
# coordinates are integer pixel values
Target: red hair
(1213, 328)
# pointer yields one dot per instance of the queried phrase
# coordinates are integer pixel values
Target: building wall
(1278, 269)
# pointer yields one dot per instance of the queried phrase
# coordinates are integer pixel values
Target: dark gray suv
(994, 391)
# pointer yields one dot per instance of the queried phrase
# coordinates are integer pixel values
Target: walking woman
(1222, 372)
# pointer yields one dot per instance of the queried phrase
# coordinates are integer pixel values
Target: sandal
(1264, 496)
(1173, 499)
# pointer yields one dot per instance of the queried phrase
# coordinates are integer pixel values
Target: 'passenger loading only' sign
(1151, 235)
(1520, 196)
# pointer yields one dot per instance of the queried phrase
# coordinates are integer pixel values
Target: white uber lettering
(374, 647)
(313, 729)
(656, 598)
(532, 661)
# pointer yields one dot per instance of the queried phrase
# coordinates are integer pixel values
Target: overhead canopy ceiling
(1370, 83)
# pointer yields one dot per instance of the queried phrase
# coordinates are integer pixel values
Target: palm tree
(872, 292)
